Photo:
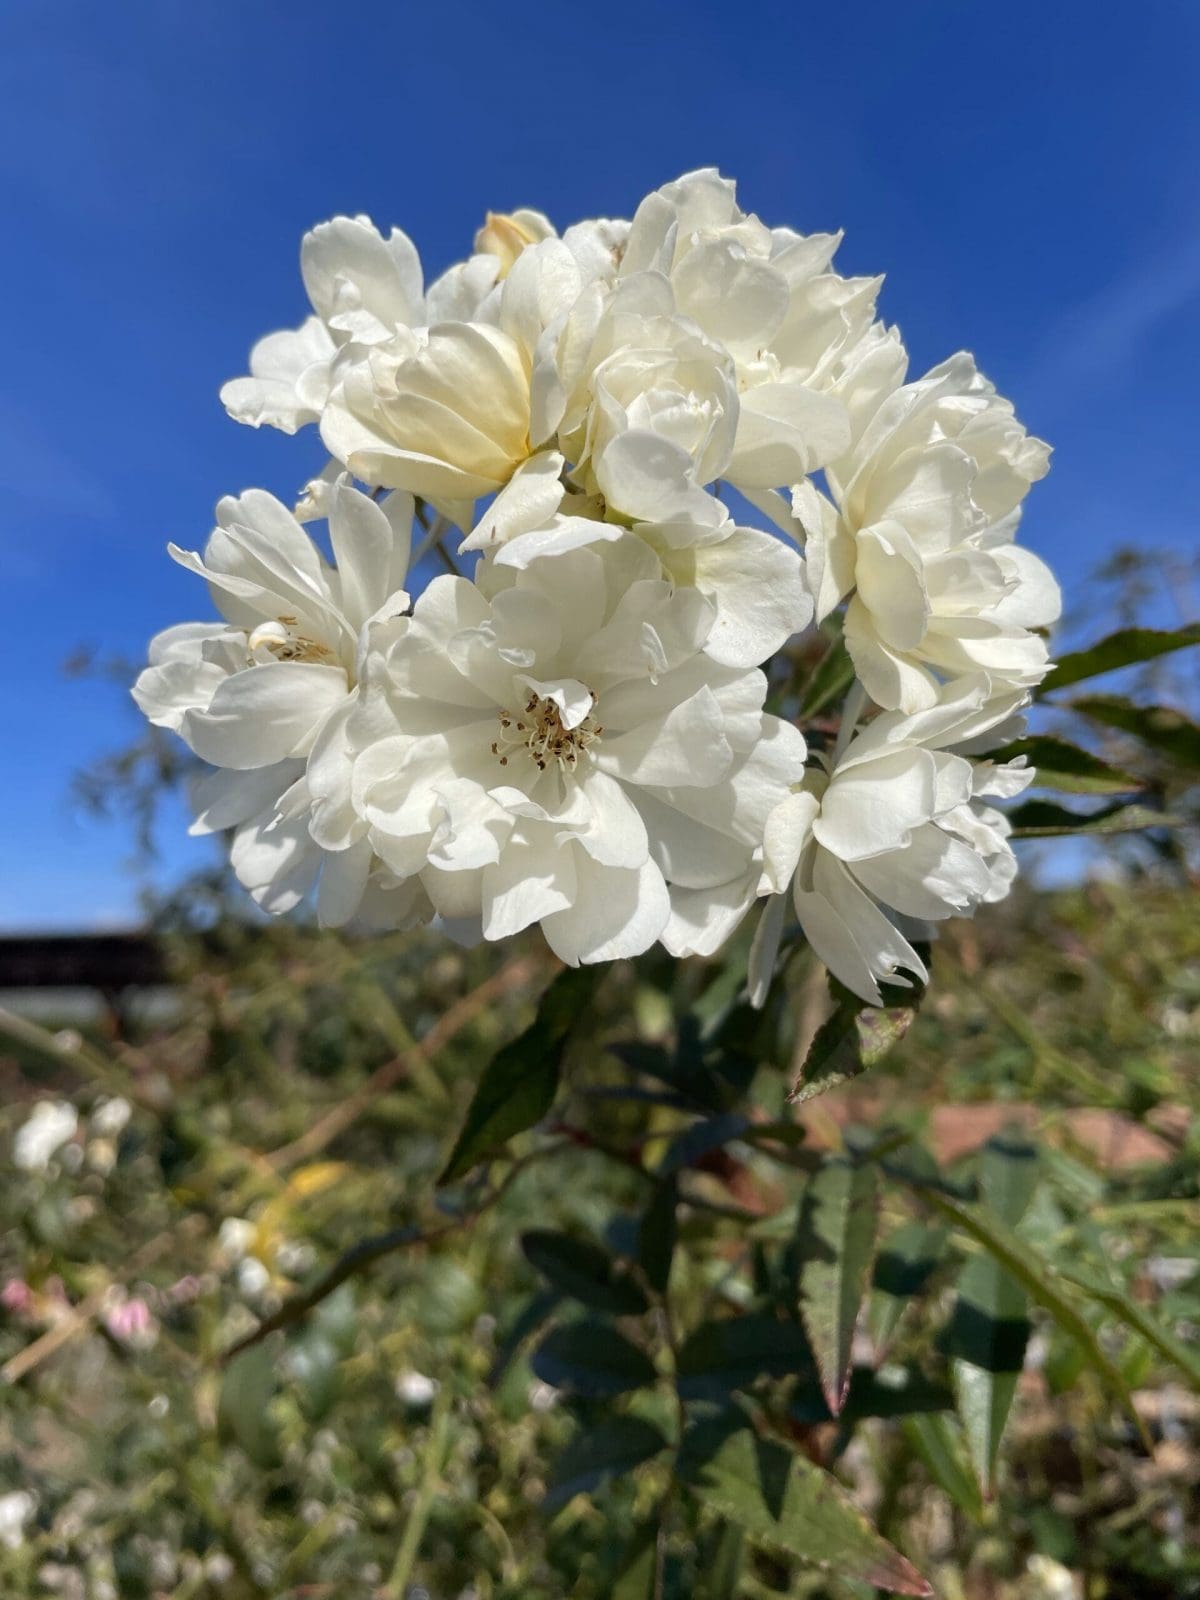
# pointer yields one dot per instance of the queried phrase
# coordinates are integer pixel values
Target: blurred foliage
(489, 1405)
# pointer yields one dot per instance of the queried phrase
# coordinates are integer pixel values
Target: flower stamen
(539, 732)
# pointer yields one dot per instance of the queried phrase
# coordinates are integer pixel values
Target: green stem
(414, 1531)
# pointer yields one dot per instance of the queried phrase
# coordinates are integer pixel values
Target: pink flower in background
(132, 1322)
(17, 1298)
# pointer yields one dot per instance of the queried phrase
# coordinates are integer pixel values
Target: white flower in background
(250, 694)
(16, 1509)
(559, 750)
(110, 1116)
(234, 1238)
(415, 1389)
(47, 1128)
(896, 826)
(927, 507)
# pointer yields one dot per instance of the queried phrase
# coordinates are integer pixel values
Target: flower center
(538, 731)
(281, 640)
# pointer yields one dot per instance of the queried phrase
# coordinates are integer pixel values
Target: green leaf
(853, 1039)
(890, 1392)
(830, 679)
(1064, 766)
(657, 1233)
(243, 1406)
(1125, 648)
(789, 1505)
(583, 1270)
(592, 1359)
(906, 1261)
(720, 1356)
(935, 1441)
(721, 1561)
(598, 1453)
(691, 1081)
(986, 1339)
(530, 1320)
(520, 1081)
(1160, 1338)
(836, 1241)
(1161, 727)
(1042, 819)
(635, 1579)
(701, 1139)
(1038, 1279)
(989, 1328)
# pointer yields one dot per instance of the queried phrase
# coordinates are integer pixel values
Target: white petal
(264, 714)
(702, 920)
(873, 807)
(788, 830)
(785, 431)
(686, 745)
(529, 499)
(531, 880)
(616, 914)
(371, 546)
(342, 883)
(223, 798)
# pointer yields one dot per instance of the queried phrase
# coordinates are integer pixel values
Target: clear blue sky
(1024, 173)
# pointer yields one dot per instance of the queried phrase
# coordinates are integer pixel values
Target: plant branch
(512, 976)
(368, 1251)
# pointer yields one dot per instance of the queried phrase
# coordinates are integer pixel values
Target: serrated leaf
(583, 1270)
(935, 1441)
(836, 1244)
(719, 1357)
(1036, 1276)
(890, 1392)
(1125, 648)
(854, 1038)
(593, 1359)
(598, 1453)
(1064, 766)
(789, 1505)
(1163, 728)
(989, 1327)
(906, 1261)
(519, 1083)
(1042, 819)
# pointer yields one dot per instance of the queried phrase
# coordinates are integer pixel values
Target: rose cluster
(574, 734)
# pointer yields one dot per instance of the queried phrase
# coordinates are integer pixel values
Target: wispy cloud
(1099, 339)
(40, 486)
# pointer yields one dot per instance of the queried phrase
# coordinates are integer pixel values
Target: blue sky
(1025, 174)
